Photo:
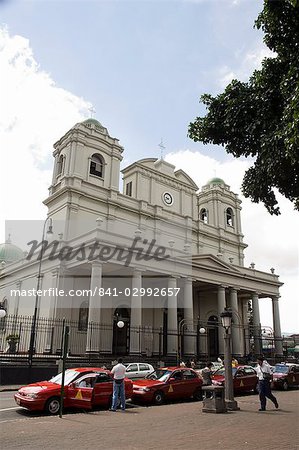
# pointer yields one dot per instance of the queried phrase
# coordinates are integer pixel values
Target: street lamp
(33, 328)
(2, 312)
(226, 320)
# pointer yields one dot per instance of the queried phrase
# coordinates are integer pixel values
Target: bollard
(213, 401)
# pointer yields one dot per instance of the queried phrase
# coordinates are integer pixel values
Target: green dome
(216, 181)
(10, 253)
(92, 121)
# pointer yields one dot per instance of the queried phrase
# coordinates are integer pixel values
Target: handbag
(267, 376)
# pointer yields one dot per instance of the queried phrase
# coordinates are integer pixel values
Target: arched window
(229, 217)
(3, 305)
(83, 316)
(204, 215)
(97, 164)
(60, 165)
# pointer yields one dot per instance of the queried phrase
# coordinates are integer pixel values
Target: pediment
(182, 176)
(208, 261)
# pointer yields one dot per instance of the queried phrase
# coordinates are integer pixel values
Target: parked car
(84, 387)
(168, 384)
(216, 365)
(138, 370)
(285, 375)
(244, 378)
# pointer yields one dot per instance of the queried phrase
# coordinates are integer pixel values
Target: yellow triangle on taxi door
(170, 389)
(79, 395)
(241, 384)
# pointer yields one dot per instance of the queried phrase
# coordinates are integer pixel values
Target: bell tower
(220, 208)
(86, 172)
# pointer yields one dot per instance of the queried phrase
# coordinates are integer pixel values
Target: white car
(138, 370)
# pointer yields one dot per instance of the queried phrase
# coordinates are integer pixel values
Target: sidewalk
(173, 426)
(12, 387)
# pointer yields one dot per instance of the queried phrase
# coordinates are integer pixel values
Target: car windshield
(70, 375)
(161, 375)
(281, 368)
(222, 371)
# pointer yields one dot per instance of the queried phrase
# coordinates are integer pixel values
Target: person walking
(118, 372)
(206, 374)
(263, 371)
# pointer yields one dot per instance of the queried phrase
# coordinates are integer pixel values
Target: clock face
(167, 198)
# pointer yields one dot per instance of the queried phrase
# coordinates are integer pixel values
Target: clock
(167, 198)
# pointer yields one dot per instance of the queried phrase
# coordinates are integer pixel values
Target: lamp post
(226, 320)
(33, 327)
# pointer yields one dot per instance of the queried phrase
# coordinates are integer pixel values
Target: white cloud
(34, 113)
(272, 241)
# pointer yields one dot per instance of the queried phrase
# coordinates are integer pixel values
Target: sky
(142, 66)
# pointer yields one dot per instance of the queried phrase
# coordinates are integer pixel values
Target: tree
(260, 118)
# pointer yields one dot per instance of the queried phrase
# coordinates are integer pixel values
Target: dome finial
(8, 240)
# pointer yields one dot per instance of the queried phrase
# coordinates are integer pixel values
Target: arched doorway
(121, 336)
(213, 343)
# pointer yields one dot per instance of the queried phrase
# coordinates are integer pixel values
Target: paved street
(176, 425)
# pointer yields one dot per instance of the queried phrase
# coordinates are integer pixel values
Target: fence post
(160, 343)
(62, 338)
(64, 356)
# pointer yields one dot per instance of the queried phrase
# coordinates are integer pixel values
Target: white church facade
(163, 257)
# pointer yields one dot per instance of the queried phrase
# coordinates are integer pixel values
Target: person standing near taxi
(118, 385)
(263, 371)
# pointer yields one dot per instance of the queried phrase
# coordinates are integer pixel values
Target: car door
(240, 380)
(132, 371)
(292, 376)
(191, 382)
(175, 385)
(144, 369)
(80, 393)
(250, 379)
(103, 389)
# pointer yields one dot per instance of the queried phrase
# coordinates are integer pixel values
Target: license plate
(18, 401)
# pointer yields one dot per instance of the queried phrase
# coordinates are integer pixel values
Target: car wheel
(285, 386)
(52, 406)
(197, 395)
(158, 398)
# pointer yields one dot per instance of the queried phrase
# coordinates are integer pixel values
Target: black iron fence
(200, 340)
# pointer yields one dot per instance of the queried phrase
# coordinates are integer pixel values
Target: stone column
(172, 318)
(221, 306)
(247, 348)
(53, 335)
(136, 313)
(17, 301)
(190, 337)
(256, 324)
(94, 314)
(236, 329)
(276, 327)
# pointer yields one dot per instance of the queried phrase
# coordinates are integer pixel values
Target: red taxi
(244, 378)
(84, 387)
(170, 383)
(285, 375)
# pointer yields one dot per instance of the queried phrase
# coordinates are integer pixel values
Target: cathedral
(146, 271)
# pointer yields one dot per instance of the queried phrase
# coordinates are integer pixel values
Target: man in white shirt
(118, 385)
(263, 371)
